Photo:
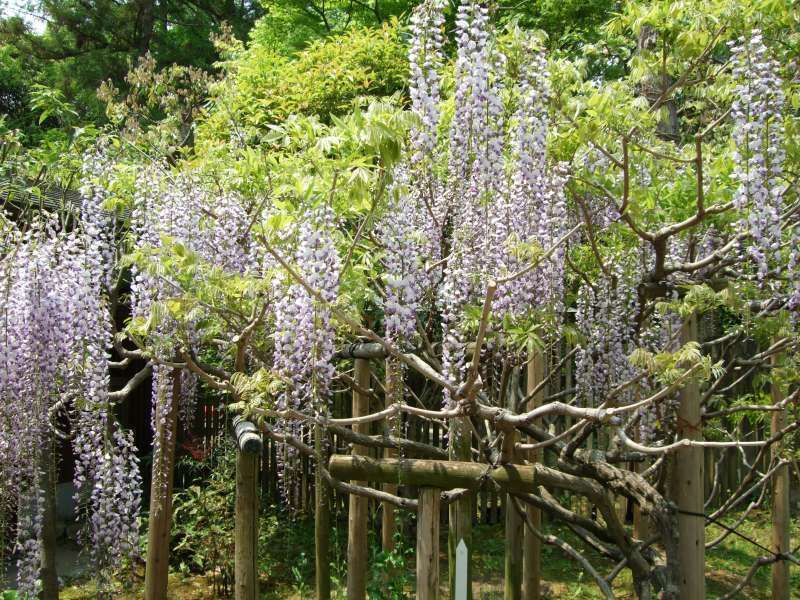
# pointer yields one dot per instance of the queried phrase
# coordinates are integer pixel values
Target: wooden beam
(365, 350)
(357, 515)
(428, 544)
(781, 589)
(445, 475)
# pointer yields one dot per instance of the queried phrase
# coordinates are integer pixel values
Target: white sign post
(461, 571)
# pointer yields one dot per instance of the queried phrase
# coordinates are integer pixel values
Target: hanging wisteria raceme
(411, 233)
(475, 178)
(605, 317)
(304, 332)
(97, 221)
(757, 113)
(425, 59)
(534, 211)
(55, 340)
(216, 228)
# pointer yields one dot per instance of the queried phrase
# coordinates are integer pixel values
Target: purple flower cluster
(604, 317)
(304, 332)
(499, 202)
(758, 154)
(54, 336)
(425, 58)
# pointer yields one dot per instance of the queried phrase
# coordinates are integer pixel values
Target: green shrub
(264, 87)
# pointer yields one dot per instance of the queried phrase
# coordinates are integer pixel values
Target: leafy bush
(264, 87)
(203, 517)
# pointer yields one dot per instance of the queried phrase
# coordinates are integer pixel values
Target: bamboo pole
(248, 452)
(48, 573)
(428, 544)
(160, 523)
(357, 515)
(532, 545)
(687, 486)
(780, 505)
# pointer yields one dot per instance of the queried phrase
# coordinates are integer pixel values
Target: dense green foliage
(297, 105)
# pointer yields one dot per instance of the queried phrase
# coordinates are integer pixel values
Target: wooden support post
(687, 486)
(357, 515)
(428, 544)
(780, 505)
(532, 545)
(248, 452)
(158, 533)
(322, 520)
(514, 519)
(460, 511)
(514, 551)
(48, 573)
(394, 394)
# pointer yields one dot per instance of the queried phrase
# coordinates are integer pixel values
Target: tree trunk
(145, 22)
(160, 523)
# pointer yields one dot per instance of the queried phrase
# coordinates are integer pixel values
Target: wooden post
(780, 505)
(428, 544)
(460, 511)
(357, 515)
(394, 393)
(248, 451)
(514, 520)
(322, 520)
(158, 532)
(48, 573)
(532, 546)
(687, 486)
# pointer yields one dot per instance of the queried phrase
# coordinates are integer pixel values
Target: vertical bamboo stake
(357, 515)
(157, 569)
(394, 392)
(428, 544)
(687, 486)
(532, 546)
(460, 511)
(322, 520)
(48, 573)
(248, 451)
(780, 505)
